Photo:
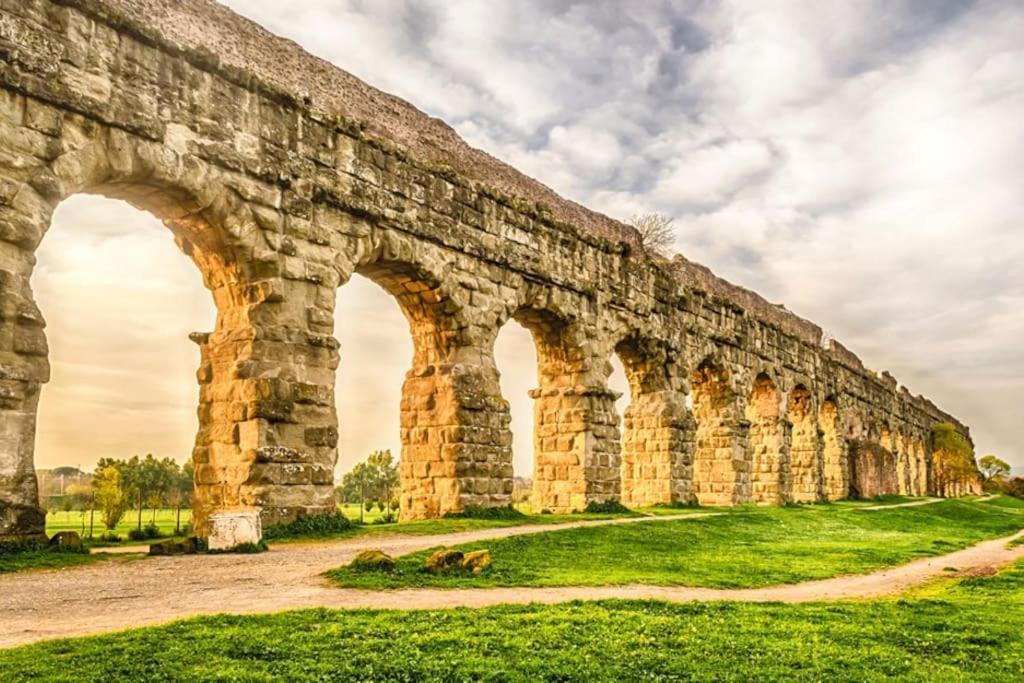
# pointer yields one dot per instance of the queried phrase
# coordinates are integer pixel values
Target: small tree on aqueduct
(657, 231)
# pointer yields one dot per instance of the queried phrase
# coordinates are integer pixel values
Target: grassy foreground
(968, 630)
(745, 547)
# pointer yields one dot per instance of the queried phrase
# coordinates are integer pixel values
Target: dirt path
(106, 597)
(911, 504)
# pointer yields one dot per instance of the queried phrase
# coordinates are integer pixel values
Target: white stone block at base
(234, 527)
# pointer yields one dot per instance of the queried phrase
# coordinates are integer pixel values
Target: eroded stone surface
(281, 176)
(230, 529)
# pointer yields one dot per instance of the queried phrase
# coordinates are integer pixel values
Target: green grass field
(447, 525)
(744, 547)
(73, 521)
(965, 630)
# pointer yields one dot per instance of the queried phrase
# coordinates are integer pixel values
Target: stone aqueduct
(282, 176)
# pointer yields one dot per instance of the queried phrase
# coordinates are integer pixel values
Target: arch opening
(835, 456)
(516, 361)
(119, 305)
(573, 425)
(769, 444)
(444, 462)
(657, 430)
(376, 351)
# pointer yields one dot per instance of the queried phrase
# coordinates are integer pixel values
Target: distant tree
(110, 497)
(385, 473)
(180, 490)
(67, 505)
(141, 479)
(80, 495)
(953, 464)
(992, 467)
(358, 485)
(657, 231)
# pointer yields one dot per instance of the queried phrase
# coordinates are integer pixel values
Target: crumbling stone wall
(282, 176)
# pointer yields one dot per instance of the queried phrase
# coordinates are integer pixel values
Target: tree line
(372, 483)
(135, 484)
(996, 473)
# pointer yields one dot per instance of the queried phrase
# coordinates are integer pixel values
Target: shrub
(151, 531)
(171, 547)
(242, 549)
(110, 537)
(479, 512)
(676, 505)
(16, 547)
(608, 507)
(137, 535)
(312, 525)
(250, 548)
(13, 547)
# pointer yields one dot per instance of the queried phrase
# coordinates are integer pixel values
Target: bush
(14, 547)
(151, 531)
(250, 548)
(608, 507)
(676, 505)
(479, 512)
(137, 535)
(242, 549)
(313, 525)
(110, 537)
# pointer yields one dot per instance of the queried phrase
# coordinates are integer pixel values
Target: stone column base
(230, 528)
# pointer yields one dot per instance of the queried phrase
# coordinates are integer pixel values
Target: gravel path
(112, 596)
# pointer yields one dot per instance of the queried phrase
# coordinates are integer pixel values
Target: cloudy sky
(862, 162)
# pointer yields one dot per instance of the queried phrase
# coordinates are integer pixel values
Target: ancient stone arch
(281, 176)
